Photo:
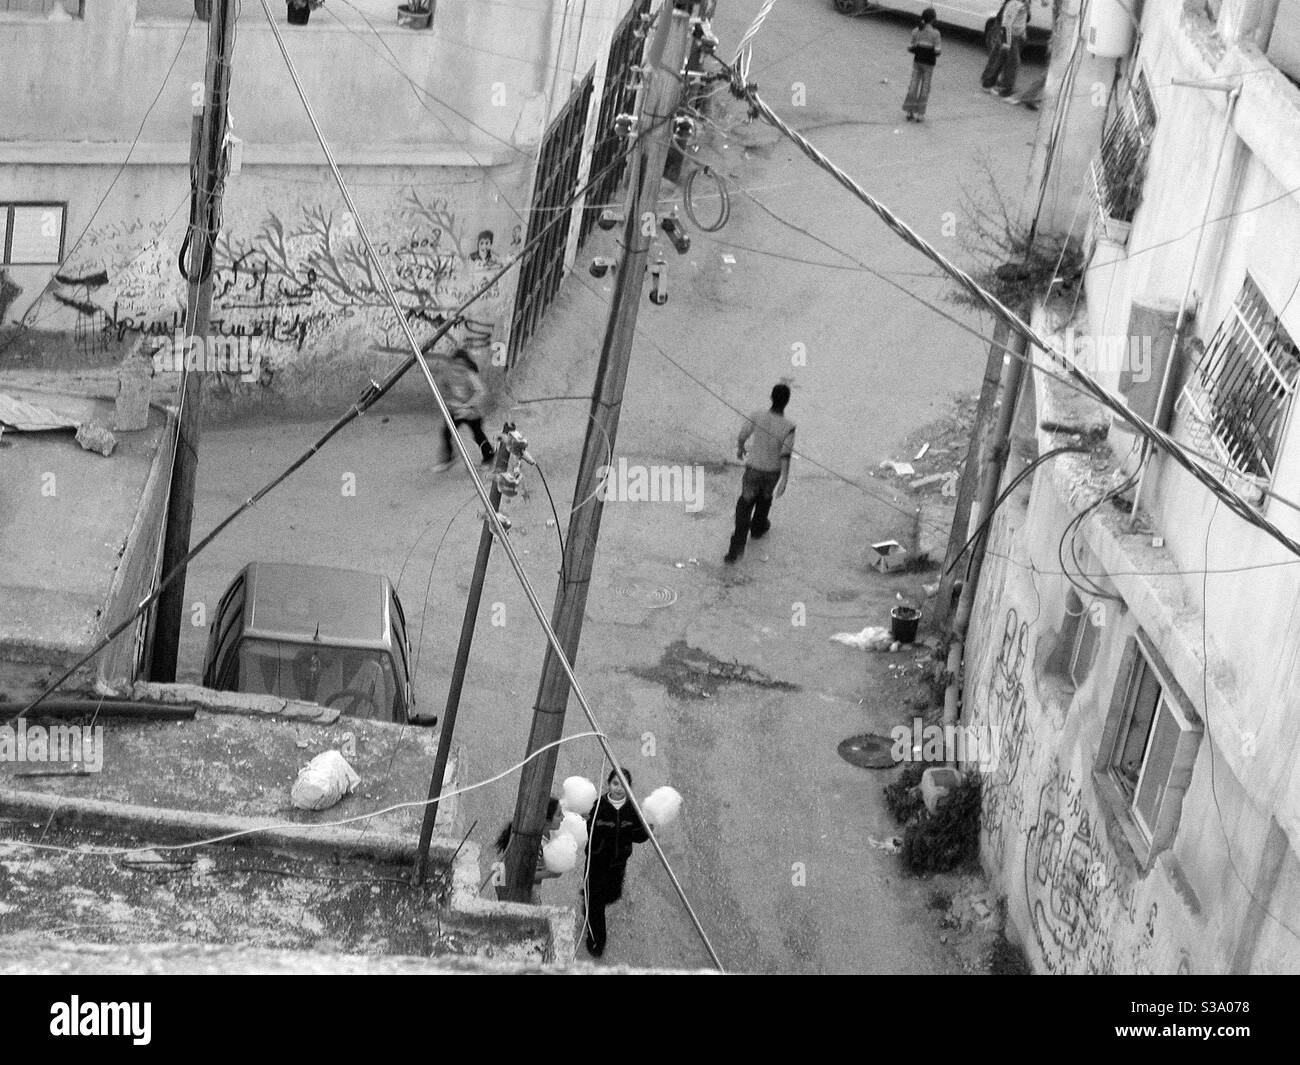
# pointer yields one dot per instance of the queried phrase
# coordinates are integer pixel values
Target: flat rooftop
(65, 516)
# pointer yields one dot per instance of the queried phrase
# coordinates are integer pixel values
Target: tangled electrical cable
(1083, 583)
(724, 199)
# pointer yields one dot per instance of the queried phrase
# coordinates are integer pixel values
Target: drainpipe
(1165, 400)
(991, 477)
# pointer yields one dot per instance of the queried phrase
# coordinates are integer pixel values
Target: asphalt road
(774, 846)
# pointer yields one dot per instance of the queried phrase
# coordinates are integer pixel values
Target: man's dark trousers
(753, 506)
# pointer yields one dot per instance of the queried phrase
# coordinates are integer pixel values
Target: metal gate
(619, 97)
(542, 267)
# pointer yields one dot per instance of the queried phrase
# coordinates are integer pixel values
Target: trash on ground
(872, 638)
(323, 781)
(921, 454)
(891, 846)
(901, 469)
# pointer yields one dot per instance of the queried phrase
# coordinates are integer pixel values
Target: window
(1237, 397)
(1148, 750)
(73, 8)
(1119, 170)
(31, 234)
(1071, 655)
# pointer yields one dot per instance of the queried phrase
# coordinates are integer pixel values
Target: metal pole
(665, 64)
(970, 474)
(499, 466)
(1013, 371)
(207, 169)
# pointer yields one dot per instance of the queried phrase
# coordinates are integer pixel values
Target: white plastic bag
(324, 781)
(575, 827)
(560, 853)
(579, 796)
(662, 806)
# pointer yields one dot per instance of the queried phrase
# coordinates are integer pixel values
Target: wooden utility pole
(207, 170)
(506, 446)
(976, 455)
(662, 90)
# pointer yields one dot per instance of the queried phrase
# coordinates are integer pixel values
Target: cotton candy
(560, 853)
(574, 826)
(579, 796)
(662, 806)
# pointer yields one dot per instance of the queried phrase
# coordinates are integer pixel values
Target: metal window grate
(1239, 394)
(1120, 168)
(619, 96)
(542, 267)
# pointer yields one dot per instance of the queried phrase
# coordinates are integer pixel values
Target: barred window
(31, 234)
(1238, 395)
(1120, 169)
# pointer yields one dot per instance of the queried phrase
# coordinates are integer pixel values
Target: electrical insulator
(659, 283)
(624, 124)
(684, 130)
(515, 442)
(677, 234)
(600, 266)
(508, 484)
(609, 218)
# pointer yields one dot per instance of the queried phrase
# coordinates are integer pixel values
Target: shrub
(948, 838)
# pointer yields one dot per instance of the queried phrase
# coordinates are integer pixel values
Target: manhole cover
(868, 751)
(651, 596)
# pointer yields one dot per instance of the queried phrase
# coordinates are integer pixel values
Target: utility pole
(976, 455)
(509, 443)
(205, 210)
(659, 100)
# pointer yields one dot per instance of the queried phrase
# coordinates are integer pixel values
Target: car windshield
(359, 683)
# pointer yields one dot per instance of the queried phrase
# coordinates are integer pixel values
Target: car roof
(300, 603)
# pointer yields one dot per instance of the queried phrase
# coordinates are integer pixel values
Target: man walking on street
(1015, 29)
(767, 469)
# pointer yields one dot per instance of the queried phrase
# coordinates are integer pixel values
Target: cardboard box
(887, 556)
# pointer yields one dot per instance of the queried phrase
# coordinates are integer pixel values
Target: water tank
(1110, 29)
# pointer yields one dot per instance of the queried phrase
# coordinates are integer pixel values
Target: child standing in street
(925, 50)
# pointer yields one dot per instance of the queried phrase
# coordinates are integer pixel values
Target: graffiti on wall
(1082, 902)
(9, 291)
(1006, 709)
(298, 281)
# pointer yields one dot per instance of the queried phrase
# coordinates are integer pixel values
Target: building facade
(460, 143)
(1136, 643)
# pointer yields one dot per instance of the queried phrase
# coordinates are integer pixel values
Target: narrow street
(774, 847)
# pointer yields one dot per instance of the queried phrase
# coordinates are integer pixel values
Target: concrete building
(1135, 643)
(79, 534)
(460, 141)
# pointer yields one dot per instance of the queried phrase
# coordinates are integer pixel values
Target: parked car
(977, 15)
(331, 636)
